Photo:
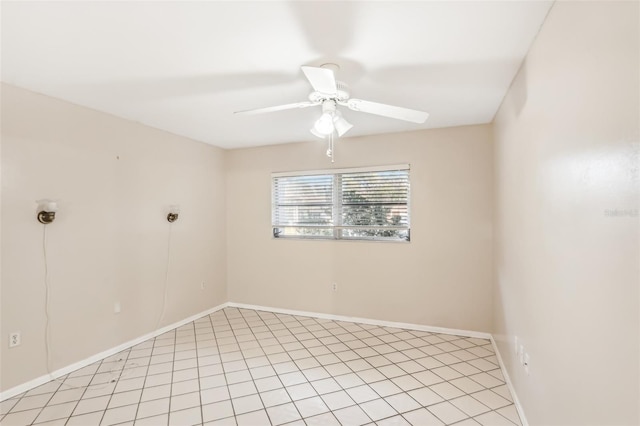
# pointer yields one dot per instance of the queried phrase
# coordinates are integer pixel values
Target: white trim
(516, 401)
(417, 327)
(97, 357)
(346, 170)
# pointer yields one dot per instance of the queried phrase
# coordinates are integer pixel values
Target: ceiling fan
(330, 93)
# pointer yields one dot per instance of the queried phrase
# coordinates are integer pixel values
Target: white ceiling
(185, 67)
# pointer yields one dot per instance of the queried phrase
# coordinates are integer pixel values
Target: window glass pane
(368, 205)
(303, 200)
(375, 198)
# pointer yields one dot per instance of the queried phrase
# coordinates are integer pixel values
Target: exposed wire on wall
(115, 371)
(47, 342)
(166, 280)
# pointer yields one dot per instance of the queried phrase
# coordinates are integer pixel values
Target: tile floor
(246, 367)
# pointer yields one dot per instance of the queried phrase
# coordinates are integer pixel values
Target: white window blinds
(370, 204)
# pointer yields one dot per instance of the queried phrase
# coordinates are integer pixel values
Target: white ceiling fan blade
(278, 108)
(384, 110)
(322, 79)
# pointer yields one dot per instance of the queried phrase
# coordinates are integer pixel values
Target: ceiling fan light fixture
(315, 133)
(341, 125)
(324, 124)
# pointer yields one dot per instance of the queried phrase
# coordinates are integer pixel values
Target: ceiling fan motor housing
(341, 95)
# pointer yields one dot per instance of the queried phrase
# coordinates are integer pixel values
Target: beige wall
(109, 241)
(567, 274)
(442, 278)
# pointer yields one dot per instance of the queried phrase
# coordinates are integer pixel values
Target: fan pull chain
(330, 148)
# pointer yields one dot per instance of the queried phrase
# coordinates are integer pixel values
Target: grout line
(197, 372)
(224, 374)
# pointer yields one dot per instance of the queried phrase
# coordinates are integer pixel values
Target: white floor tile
(246, 404)
(491, 399)
(119, 415)
(350, 380)
(253, 419)
(406, 383)
(337, 400)
(311, 406)
(385, 388)
(225, 368)
(217, 411)
(510, 413)
(208, 396)
(378, 409)
(31, 402)
(470, 406)
(153, 408)
(162, 419)
(275, 397)
(352, 416)
(242, 389)
(293, 378)
(362, 394)
(63, 396)
(92, 404)
(327, 419)
(467, 385)
(425, 396)
(325, 386)
(446, 390)
(492, 419)
(190, 416)
(282, 414)
(301, 391)
(55, 412)
(125, 398)
(86, 419)
(422, 417)
(402, 402)
(447, 412)
(187, 386)
(187, 400)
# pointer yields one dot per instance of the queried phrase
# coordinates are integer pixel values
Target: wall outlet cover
(15, 339)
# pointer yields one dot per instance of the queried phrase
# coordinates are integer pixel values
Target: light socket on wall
(46, 211)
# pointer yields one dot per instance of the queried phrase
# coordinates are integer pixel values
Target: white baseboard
(516, 401)
(417, 327)
(97, 357)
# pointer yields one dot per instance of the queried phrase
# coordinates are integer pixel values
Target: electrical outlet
(202, 285)
(335, 286)
(15, 339)
(117, 308)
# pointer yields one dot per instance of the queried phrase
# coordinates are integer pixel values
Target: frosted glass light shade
(324, 125)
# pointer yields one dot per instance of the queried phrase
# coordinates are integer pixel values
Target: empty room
(262, 213)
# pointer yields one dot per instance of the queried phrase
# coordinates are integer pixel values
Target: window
(348, 204)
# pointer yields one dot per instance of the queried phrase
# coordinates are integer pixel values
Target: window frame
(337, 206)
